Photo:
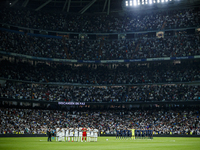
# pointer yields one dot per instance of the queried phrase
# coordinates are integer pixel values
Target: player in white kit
(95, 134)
(57, 133)
(76, 134)
(71, 133)
(91, 134)
(62, 135)
(88, 135)
(80, 134)
(67, 134)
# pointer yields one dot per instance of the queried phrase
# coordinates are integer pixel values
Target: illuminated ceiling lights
(131, 3)
(126, 3)
(135, 3)
(143, 2)
(138, 2)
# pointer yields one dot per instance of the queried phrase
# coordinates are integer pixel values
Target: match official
(49, 135)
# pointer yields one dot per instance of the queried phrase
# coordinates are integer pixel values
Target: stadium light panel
(126, 3)
(146, 2)
(154, 1)
(158, 1)
(135, 3)
(142, 2)
(138, 2)
(150, 1)
(166, 0)
(163, 1)
(131, 3)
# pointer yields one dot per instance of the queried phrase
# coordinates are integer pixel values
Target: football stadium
(99, 74)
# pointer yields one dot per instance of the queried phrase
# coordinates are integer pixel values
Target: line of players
(76, 134)
(134, 134)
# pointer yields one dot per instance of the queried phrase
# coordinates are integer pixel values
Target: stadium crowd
(101, 74)
(169, 92)
(101, 23)
(162, 121)
(173, 46)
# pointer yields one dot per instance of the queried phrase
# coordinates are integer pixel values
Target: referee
(49, 135)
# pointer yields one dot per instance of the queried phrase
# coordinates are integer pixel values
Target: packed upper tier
(100, 94)
(59, 21)
(174, 46)
(137, 73)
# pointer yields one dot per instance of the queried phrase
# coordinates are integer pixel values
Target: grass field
(40, 143)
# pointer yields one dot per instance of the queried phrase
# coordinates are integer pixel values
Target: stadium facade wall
(44, 135)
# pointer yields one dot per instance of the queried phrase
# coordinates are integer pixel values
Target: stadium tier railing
(93, 33)
(64, 103)
(99, 61)
(79, 84)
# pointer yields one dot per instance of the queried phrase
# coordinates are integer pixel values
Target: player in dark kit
(129, 134)
(124, 133)
(136, 134)
(121, 133)
(145, 134)
(142, 133)
(117, 133)
(151, 134)
(148, 134)
(139, 134)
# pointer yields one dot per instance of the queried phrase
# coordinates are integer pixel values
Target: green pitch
(40, 143)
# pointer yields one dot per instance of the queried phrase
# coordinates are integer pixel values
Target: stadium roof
(96, 6)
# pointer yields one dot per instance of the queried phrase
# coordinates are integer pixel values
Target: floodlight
(134, 3)
(142, 2)
(131, 3)
(138, 2)
(126, 3)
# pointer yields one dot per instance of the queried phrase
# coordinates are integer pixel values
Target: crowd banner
(183, 57)
(71, 103)
(97, 61)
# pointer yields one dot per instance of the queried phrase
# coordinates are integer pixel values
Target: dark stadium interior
(105, 64)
